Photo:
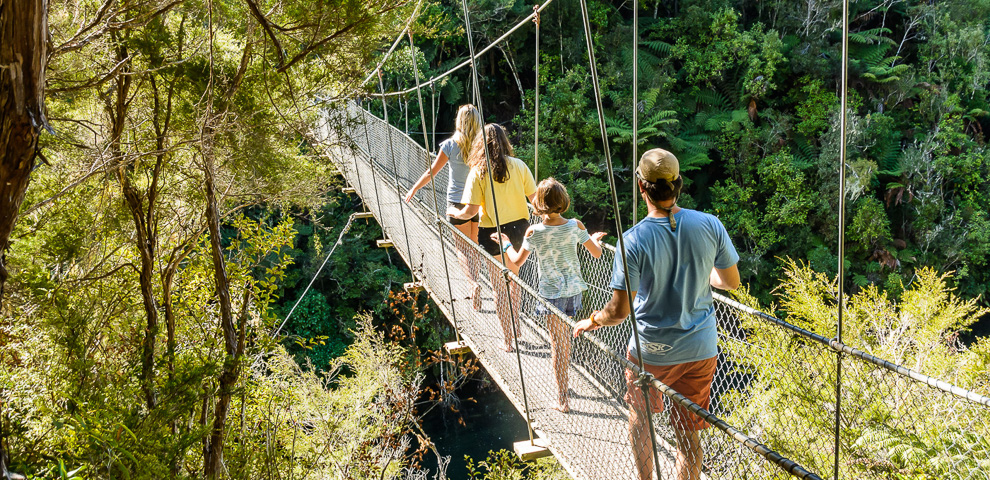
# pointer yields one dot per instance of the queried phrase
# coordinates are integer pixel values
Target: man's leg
(689, 454)
(694, 382)
(639, 437)
(639, 428)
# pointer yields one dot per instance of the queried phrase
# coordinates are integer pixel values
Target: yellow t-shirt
(511, 195)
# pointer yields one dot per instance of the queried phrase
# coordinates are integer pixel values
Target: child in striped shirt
(561, 284)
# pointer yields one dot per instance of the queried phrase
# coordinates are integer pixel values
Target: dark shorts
(514, 230)
(568, 305)
(456, 221)
(691, 379)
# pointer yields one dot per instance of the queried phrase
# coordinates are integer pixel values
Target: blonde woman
(456, 151)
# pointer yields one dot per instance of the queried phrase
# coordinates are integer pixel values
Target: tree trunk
(143, 217)
(233, 347)
(23, 58)
(515, 75)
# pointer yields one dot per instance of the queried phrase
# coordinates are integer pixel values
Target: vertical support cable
(433, 184)
(536, 102)
(395, 169)
(498, 226)
(635, 119)
(371, 163)
(433, 114)
(357, 171)
(842, 229)
(618, 223)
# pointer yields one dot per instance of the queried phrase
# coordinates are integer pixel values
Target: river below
(491, 423)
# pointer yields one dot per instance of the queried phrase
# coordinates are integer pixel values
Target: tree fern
(872, 36)
(805, 154)
(451, 90)
(661, 48)
(712, 99)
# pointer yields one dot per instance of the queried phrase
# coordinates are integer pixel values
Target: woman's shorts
(514, 230)
(457, 221)
(568, 305)
(691, 379)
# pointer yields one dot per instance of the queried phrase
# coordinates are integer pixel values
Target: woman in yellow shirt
(506, 187)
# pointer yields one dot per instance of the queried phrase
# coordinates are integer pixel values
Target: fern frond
(649, 98)
(872, 36)
(712, 99)
(663, 49)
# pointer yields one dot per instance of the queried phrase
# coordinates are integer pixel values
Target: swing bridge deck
(591, 441)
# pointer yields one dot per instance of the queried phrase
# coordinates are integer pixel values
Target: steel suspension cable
(843, 125)
(635, 119)
(395, 169)
(618, 224)
(498, 225)
(340, 239)
(470, 61)
(433, 184)
(395, 44)
(536, 100)
(433, 113)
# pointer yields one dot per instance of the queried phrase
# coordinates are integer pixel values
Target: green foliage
(885, 433)
(816, 107)
(870, 226)
(505, 465)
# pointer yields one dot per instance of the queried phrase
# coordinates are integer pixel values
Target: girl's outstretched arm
(517, 257)
(440, 161)
(593, 244)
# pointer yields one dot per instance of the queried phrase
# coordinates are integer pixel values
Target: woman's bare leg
(468, 258)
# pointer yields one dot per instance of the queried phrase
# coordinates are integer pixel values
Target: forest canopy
(174, 201)
(746, 94)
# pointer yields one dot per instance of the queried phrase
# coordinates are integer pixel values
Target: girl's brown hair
(551, 197)
(498, 149)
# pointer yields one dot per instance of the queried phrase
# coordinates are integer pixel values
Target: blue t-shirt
(556, 253)
(458, 170)
(670, 273)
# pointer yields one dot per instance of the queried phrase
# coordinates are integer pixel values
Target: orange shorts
(691, 379)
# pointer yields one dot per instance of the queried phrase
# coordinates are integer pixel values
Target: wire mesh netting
(773, 404)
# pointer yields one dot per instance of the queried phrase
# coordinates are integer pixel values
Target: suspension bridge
(591, 441)
(786, 402)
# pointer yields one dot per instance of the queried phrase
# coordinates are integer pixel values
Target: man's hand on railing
(587, 325)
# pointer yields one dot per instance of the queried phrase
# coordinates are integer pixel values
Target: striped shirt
(555, 247)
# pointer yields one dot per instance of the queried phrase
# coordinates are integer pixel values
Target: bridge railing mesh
(774, 393)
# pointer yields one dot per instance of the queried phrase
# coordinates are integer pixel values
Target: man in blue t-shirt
(675, 256)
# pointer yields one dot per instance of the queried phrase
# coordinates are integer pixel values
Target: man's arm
(614, 312)
(724, 278)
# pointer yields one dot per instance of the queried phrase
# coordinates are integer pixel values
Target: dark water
(490, 424)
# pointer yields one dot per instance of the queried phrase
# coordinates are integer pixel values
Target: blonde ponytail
(467, 127)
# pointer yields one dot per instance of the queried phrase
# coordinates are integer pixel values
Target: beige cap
(658, 164)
